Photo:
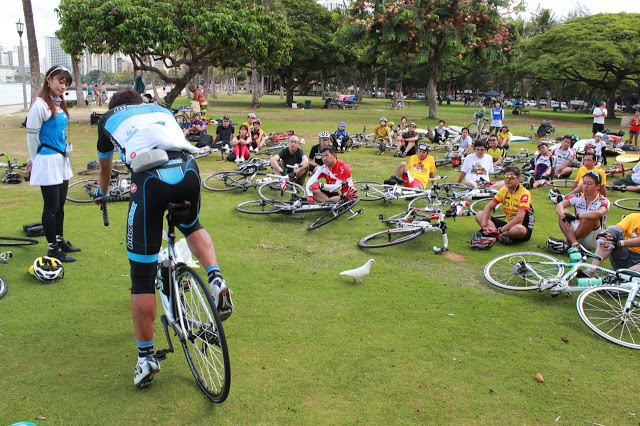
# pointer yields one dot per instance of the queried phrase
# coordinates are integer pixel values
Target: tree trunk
(282, 88)
(384, 92)
(431, 87)
(289, 100)
(324, 96)
(77, 78)
(34, 60)
(255, 99)
(228, 80)
(213, 83)
(261, 90)
(247, 86)
(152, 77)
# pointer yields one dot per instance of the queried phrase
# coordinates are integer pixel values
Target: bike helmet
(93, 165)
(251, 115)
(323, 135)
(383, 119)
(47, 269)
(485, 131)
(555, 196)
(257, 121)
(557, 246)
(342, 124)
(12, 178)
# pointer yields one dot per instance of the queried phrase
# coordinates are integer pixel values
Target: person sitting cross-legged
(516, 204)
(285, 160)
(476, 166)
(544, 166)
(591, 209)
(589, 161)
(620, 244)
(417, 172)
(337, 176)
(495, 151)
(407, 141)
(564, 158)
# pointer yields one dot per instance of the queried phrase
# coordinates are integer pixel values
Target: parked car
(543, 102)
(418, 95)
(529, 103)
(563, 105)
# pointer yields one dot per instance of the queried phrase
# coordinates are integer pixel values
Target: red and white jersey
(580, 203)
(339, 173)
(563, 156)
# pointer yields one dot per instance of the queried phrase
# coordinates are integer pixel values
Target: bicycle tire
(259, 207)
(438, 201)
(80, 191)
(400, 217)
(369, 190)
(601, 309)
(474, 130)
(562, 183)
(272, 191)
(628, 204)
(17, 241)
(389, 105)
(501, 270)
(224, 181)
(205, 346)
(390, 237)
(3, 287)
(479, 205)
(334, 213)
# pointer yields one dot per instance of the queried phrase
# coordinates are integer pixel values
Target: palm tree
(34, 60)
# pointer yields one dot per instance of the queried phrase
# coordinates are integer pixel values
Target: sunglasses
(480, 149)
(510, 177)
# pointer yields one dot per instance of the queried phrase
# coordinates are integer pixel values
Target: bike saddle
(586, 252)
(630, 273)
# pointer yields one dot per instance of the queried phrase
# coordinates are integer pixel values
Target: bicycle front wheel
(3, 287)
(335, 212)
(205, 346)
(16, 241)
(603, 310)
(562, 183)
(430, 202)
(479, 205)
(369, 190)
(516, 271)
(274, 191)
(82, 190)
(224, 181)
(390, 237)
(628, 204)
(389, 105)
(258, 207)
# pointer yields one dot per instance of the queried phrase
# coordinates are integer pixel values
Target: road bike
(190, 311)
(119, 188)
(4, 257)
(332, 209)
(476, 128)
(369, 190)
(408, 226)
(11, 176)
(457, 192)
(250, 174)
(94, 166)
(617, 169)
(609, 310)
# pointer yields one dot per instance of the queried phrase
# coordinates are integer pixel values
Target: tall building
(334, 4)
(54, 55)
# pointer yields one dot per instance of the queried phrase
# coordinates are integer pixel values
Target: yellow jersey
(421, 169)
(513, 202)
(583, 170)
(631, 227)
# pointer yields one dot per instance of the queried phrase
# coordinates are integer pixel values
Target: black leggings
(54, 197)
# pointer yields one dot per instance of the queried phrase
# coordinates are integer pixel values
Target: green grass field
(425, 339)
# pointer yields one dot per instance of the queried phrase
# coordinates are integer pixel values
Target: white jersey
(475, 167)
(563, 156)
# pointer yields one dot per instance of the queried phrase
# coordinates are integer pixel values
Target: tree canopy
(598, 50)
(189, 34)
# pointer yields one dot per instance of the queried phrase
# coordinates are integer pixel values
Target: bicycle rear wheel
(369, 190)
(273, 191)
(205, 346)
(335, 212)
(562, 183)
(390, 237)
(603, 310)
(479, 205)
(509, 271)
(16, 241)
(224, 181)
(80, 191)
(258, 207)
(431, 202)
(3, 287)
(628, 204)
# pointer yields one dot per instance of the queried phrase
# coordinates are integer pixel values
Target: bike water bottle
(589, 282)
(164, 274)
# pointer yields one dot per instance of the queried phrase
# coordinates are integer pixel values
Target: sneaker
(505, 240)
(60, 255)
(397, 154)
(404, 154)
(67, 247)
(393, 180)
(145, 371)
(222, 297)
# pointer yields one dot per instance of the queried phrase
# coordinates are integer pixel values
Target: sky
(46, 21)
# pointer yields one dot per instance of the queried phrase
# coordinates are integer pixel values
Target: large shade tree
(598, 50)
(189, 35)
(34, 60)
(435, 29)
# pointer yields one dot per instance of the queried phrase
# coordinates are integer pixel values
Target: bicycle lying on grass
(408, 226)
(609, 310)
(119, 188)
(369, 190)
(243, 178)
(189, 310)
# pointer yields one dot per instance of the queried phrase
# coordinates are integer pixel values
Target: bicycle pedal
(161, 355)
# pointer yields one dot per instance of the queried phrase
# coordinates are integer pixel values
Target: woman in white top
(497, 115)
(48, 157)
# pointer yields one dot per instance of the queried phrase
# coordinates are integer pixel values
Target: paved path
(10, 109)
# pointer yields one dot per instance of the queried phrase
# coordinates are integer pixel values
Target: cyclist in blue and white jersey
(135, 129)
(497, 115)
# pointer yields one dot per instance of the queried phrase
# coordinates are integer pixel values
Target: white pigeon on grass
(360, 272)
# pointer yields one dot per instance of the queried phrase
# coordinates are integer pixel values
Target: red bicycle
(617, 169)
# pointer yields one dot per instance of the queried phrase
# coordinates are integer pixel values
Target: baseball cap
(600, 134)
(423, 146)
(251, 115)
(226, 117)
(257, 121)
(413, 124)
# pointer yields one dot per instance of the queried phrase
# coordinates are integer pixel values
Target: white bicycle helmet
(555, 196)
(383, 119)
(557, 246)
(323, 135)
(47, 269)
(251, 115)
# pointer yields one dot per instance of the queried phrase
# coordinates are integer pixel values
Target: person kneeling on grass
(621, 244)
(516, 204)
(590, 215)
(339, 184)
(417, 172)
